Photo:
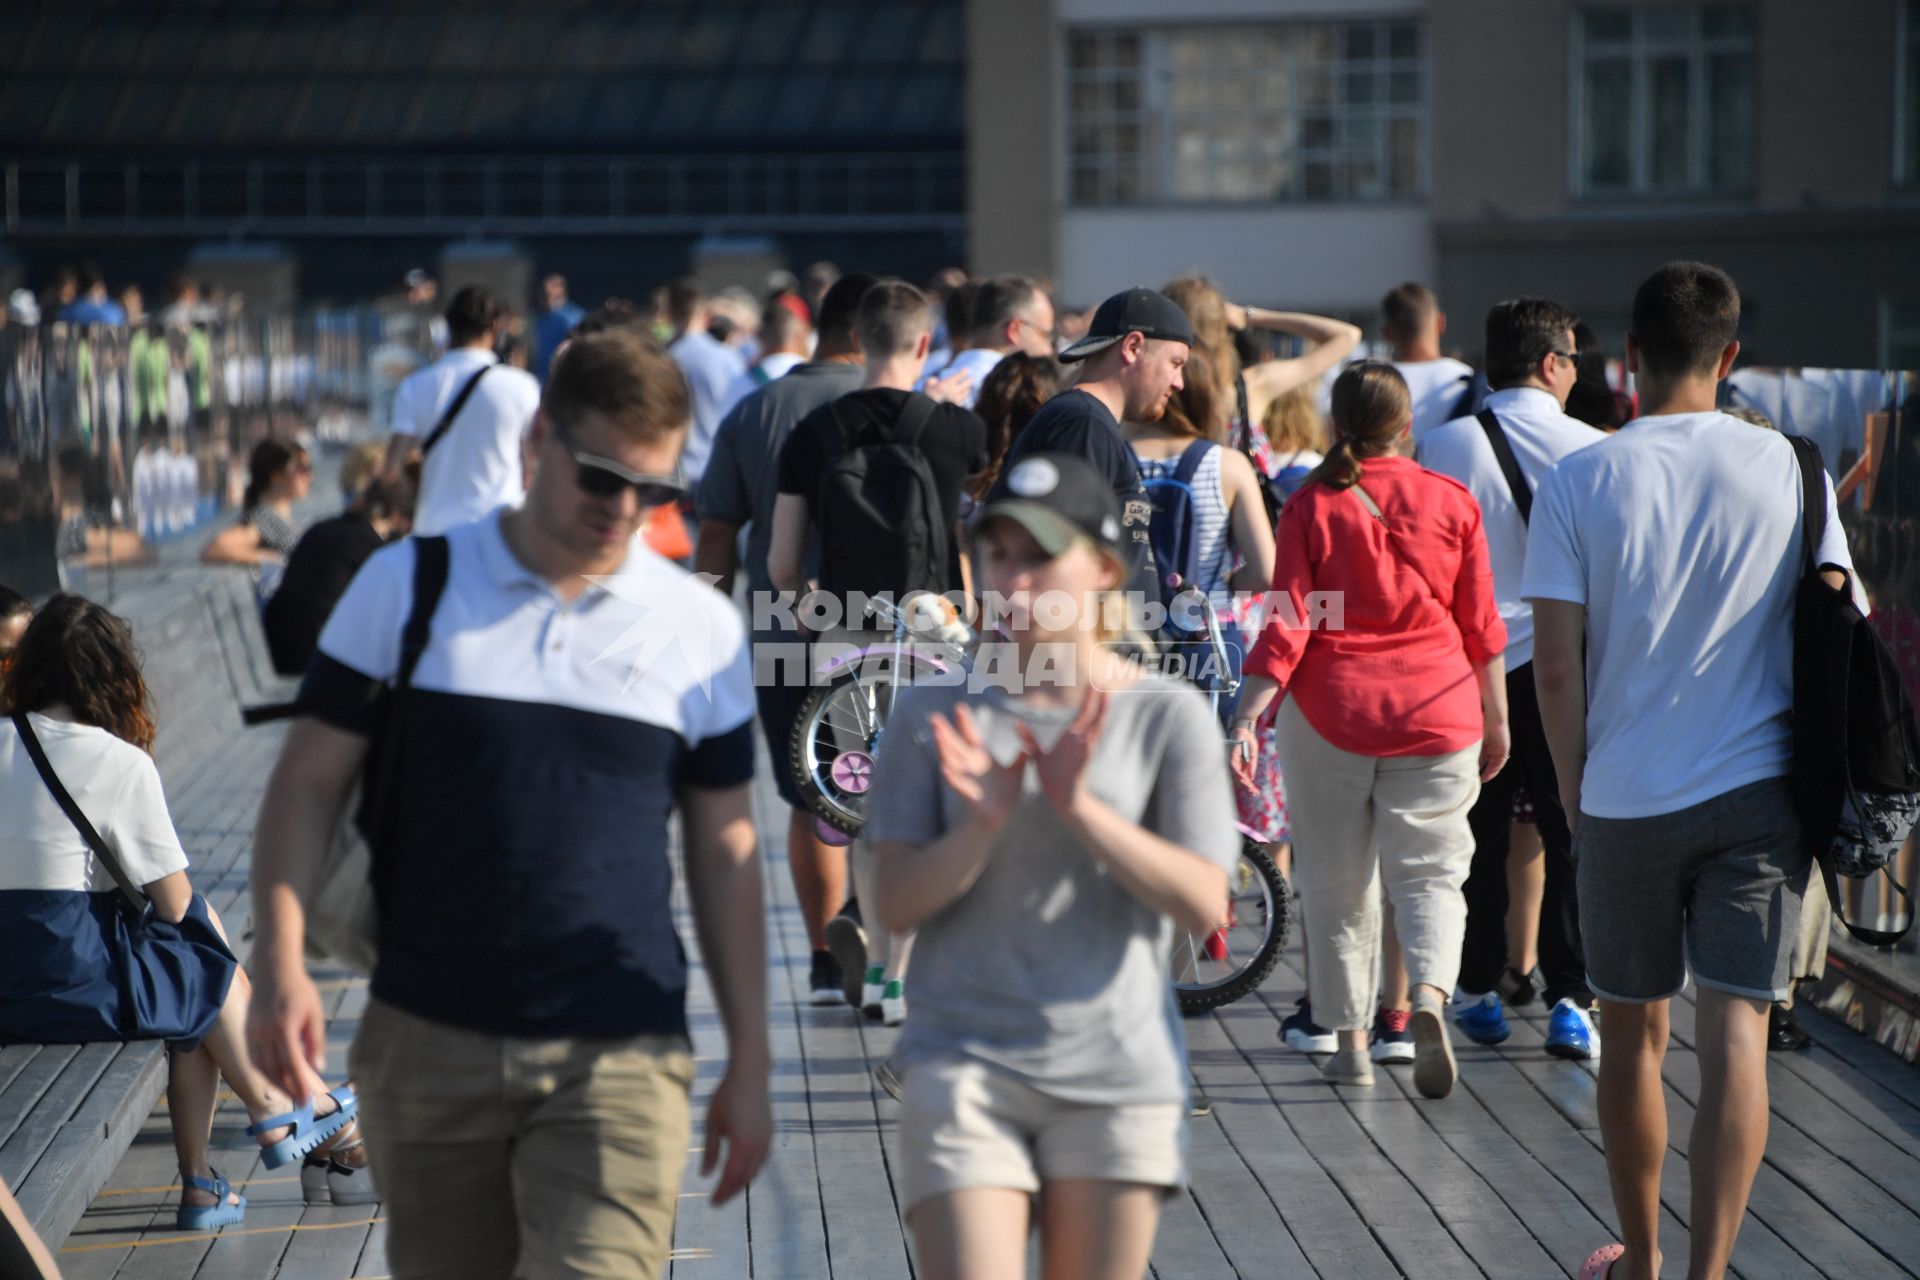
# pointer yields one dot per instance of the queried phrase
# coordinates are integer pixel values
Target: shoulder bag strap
(1373, 509)
(453, 410)
(1509, 465)
(135, 899)
(1813, 499)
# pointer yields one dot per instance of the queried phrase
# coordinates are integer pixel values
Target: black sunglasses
(604, 478)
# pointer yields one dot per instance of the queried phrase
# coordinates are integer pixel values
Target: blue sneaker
(1571, 1033)
(1482, 1019)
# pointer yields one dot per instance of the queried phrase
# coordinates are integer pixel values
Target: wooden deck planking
(1289, 1177)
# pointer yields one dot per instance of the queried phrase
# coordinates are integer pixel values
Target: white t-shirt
(765, 370)
(1437, 386)
(116, 786)
(1681, 535)
(476, 465)
(978, 361)
(1541, 434)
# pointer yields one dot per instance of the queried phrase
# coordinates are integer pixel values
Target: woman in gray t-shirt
(1043, 835)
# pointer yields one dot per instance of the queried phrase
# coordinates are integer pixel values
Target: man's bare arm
(723, 882)
(717, 552)
(1560, 680)
(303, 805)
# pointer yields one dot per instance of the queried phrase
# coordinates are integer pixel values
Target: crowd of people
(1506, 696)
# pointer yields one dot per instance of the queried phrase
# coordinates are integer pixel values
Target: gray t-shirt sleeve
(723, 491)
(1191, 803)
(906, 772)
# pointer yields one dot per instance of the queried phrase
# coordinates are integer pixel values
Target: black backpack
(1856, 746)
(882, 531)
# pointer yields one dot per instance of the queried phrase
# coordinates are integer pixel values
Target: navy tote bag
(91, 967)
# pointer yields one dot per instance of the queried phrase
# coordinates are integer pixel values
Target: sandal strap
(301, 1118)
(217, 1185)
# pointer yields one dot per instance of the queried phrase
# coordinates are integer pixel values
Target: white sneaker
(873, 990)
(893, 1004)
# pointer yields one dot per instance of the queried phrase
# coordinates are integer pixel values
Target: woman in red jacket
(1382, 625)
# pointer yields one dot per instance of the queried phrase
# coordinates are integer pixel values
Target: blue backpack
(1169, 486)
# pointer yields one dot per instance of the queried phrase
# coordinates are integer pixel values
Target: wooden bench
(69, 1112)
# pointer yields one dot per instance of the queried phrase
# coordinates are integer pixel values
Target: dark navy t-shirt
(1077, 423)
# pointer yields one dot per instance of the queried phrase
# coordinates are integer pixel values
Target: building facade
(1313, 153)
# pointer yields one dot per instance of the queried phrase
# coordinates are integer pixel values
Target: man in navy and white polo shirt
(524, 1063)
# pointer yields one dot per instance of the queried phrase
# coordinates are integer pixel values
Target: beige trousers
(508, 1159)
(1361, 822)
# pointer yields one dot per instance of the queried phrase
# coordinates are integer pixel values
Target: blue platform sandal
(209, 1217)
(305, 1132)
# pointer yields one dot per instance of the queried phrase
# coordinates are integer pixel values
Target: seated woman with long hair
(75, 680)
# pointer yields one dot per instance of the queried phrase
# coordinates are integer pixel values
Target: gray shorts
(1715, 888)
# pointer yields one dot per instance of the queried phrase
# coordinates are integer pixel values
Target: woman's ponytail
(1371, 407)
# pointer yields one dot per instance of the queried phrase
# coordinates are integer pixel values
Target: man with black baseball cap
(1133, 353)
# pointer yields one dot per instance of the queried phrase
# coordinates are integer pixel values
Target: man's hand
(740, 1119)
(950, 389)
(286, 1026)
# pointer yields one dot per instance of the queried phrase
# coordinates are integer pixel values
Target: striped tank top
(1210, 557)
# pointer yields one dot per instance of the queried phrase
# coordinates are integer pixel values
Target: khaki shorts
(964, 1124)
(522, 1159)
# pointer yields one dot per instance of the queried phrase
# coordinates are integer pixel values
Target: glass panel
(1360, 85)
(1669, 136)
(1316, 86)
(1316, 131)
(1126, 50)
(1273, 87)
(1404, 86)
(1085, 95)
(1086, 184)
(1608, 24)
(1403, 40)
(798, 104)
(1912, 104)
(1359, 41)
(1729, 20)
(1126, 94)
(1316, 42)
(1403, 145)
(1319, 180)
(1670, 22)
(1192, 91)
(1082, 51)
(1086, 139)
(1730, 109)
(1606, 126)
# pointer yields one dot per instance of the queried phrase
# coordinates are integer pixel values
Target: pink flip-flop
(1600, 1264)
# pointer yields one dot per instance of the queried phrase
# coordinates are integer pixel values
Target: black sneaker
(825, 983)
(1519, 989)
(847, 940)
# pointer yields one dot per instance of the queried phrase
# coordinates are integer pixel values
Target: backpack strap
(915, 414)
(133, 898)
(1509, 465)
(1813, 499)
(1393, 542)
(458, 403)
(430, 565)
(1190, 460)
(430, 561)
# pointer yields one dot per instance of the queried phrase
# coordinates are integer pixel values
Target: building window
(1664, 100)
(1309, 111)
(1906, 160)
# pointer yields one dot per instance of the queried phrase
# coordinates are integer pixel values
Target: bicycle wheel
(1216, 968)
(834, 739)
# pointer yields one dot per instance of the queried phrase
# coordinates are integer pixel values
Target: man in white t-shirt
(474, 465)
(710, 367)
(1672, 552)
(1531, 361)
(786, 336)
(1010, 313)
(1443, 388)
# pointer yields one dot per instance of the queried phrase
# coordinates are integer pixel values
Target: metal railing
(451, 194)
